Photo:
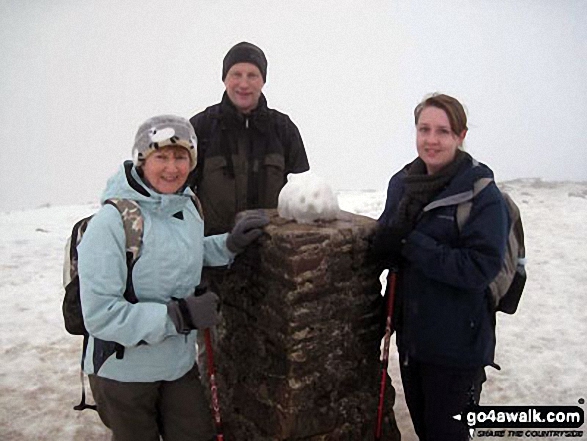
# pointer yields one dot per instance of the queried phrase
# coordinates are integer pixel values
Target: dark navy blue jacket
(442, 314)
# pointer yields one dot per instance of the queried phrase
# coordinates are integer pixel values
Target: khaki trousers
(174, 410)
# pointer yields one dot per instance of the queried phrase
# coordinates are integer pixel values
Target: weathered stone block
(298, 348)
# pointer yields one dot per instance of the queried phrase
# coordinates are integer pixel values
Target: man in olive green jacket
(245, 149)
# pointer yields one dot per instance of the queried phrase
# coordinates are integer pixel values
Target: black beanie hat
(245, 53)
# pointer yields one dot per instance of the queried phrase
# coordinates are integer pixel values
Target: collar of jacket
(127, 184)
(232, 118)
(462, 188)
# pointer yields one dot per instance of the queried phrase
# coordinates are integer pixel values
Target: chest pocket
(215, 164)
(274, 177)
(440, 224)
(217, 193)
(216, 179)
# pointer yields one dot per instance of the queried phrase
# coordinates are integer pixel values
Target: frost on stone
(307, 198)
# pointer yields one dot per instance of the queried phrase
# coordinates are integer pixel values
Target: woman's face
(167, 169)
(437, 144)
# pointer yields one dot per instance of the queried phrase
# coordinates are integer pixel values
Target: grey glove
(247, 229)
(194, 312)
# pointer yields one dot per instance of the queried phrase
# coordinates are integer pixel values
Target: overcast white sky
(77, 78)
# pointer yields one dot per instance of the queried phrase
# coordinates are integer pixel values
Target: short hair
(452, 107)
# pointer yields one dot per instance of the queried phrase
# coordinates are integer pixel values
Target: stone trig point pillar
(298, 348)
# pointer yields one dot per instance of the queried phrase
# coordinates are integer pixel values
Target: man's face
(244, 83)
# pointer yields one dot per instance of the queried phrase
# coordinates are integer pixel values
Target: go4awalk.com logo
(523, 421)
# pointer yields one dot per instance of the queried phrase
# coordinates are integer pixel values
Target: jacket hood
(469, 173)
(127, 184)
(461, 186)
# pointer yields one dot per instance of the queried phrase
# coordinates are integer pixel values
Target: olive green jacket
(243, 160)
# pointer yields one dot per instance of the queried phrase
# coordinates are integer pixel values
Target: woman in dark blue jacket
(445, 325)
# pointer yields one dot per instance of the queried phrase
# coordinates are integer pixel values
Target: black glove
(194, 312)
(247, 229)
(388, 244)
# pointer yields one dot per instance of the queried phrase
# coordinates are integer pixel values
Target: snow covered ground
(541, 348)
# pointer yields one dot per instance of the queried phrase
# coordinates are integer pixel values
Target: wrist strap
(188, 325)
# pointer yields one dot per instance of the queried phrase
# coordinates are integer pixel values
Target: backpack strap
(198, 205)
(82, 404)
(133, 224)
(464, 208)
(132, 221)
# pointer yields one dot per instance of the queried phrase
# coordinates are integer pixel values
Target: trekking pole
(213, 386)
(391, 279)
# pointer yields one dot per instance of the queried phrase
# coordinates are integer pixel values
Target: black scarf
(421, 188)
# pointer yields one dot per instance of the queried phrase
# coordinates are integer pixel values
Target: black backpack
(507, 287)
(132, 221)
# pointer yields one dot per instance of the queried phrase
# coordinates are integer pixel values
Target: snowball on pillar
(307, 198)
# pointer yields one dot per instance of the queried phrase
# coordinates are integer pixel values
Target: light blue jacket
(169, 265)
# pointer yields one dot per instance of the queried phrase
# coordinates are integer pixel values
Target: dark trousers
(434, 394)
(175, 410)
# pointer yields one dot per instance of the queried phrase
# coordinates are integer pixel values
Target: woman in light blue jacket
(141, 355)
